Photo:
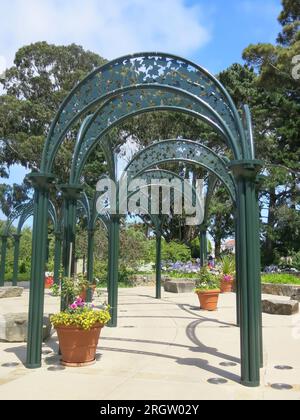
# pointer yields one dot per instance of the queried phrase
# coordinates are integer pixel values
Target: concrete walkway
(161, 350)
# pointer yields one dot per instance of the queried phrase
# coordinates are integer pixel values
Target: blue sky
(212, 33)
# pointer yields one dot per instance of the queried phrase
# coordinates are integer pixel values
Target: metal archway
(208, 100)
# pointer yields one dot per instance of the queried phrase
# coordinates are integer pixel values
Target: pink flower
(73, 306)
(228, 278)
(80, 302)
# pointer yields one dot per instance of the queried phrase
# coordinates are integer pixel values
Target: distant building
(229, 246)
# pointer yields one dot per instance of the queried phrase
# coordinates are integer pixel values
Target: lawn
(280, 279)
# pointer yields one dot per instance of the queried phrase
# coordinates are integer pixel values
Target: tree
(42, 76)
(280, 134)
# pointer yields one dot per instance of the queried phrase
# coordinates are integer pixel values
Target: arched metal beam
(155, 69)
(182, 150)
(139, 101)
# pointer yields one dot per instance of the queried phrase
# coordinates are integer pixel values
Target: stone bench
(280, 307)
(11, 292)
(13, 327)
(179, 286)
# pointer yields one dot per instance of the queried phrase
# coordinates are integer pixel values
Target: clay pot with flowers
(227, 282)
(78, 329)
(79, 325)
(49, 280)
(208, 290)
(227, 276)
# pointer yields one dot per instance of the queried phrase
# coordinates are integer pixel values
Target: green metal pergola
(21, 214)
(130, 86)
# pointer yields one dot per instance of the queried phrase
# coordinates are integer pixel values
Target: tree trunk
(218, 243)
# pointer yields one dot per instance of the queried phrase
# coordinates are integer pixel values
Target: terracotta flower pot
(209, 299)
(78, 346)
(83, 294)
(49, 282)
(226, 286)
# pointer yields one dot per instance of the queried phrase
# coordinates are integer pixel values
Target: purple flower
(228, 278)
(79, 302)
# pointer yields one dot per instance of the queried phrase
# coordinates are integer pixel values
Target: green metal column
(71, 193)
(41, 184)
(57, 257)
(203, 246)
(113, 268)
(4, 239)
(17, 239)
(90, 262)
(256, 211)
(249, 272)
(238, 250)
(158, 265)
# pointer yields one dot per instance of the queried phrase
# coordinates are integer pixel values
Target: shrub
(172, 251)
(296, 260)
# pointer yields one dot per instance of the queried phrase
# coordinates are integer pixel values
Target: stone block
(296, 296)
(13, 327)
(280, 289)
(280, 307)
(11, 292)
(179, 286)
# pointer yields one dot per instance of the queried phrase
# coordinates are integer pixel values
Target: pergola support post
(249, 271)
(158, 264)
(57, 257)
(90, 263)
(203, 245)
(4, 239)
(113, 268)
(41, 184)
(71, 193)
(17, 239)
(238, 251)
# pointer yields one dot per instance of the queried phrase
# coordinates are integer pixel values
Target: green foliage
(207, 281)
(33, 89)
(172, 251)
(195, 248)
(24, 277)
(134, 249)
(70, 288)
(228, 265)
(280, 279)
(179, 275)
(296, 260)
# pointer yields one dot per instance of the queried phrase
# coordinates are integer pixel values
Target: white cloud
(110, 28)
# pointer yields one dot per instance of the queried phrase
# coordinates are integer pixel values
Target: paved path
(166, 349)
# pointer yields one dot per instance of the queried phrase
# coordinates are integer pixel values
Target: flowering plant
(227, 278)
(228, 265)
(207, 281)
(70, 288)
(82, 315)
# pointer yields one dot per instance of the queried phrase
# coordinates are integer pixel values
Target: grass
(121, 285)
(178, 275)
(21, 277)
(281, 279)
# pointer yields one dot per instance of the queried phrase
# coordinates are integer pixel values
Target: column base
(35, 366)
(247, 384)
